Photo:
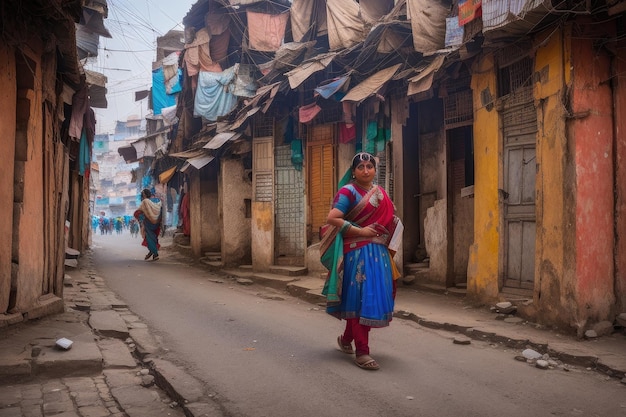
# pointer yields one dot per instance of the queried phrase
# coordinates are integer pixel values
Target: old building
(47, 128)
(497, 126)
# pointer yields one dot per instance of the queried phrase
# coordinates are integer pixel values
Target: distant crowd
(119, 224)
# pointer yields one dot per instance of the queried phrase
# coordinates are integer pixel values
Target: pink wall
(591, 136)
(7, 144)
(619, 83)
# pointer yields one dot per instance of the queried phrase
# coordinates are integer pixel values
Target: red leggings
(359, 333)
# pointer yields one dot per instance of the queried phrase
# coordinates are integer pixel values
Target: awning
(197, 162)
(167, 175)
(93, 22)
(243, 116)
(261, 101)
(192, 153)
(424, 80)
(150, 144)
(371, 85)
(129, 153)
(220, 139)
(513, 18)
(96, 84)
(299, 74)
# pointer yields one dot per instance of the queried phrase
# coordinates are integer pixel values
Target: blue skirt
(367, 287)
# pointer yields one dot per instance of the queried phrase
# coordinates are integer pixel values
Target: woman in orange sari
(360, 287)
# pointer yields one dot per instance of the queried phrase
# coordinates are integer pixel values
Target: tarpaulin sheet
(327, 90)
(198, 54)
(245, 84)
(303, 14)
(167, 175)
(213, 95)
(424, 80)
(371, 85)
(299, 74)
(428, 21)
(373, 10)
(169, 115)
(266, 31)
(308, 112)
(345, 24)
(160, 98)
(290, 54)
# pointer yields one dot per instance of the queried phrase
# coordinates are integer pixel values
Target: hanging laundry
(214, 96)
(307, 113)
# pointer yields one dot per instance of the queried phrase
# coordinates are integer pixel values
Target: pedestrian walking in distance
(150, 215)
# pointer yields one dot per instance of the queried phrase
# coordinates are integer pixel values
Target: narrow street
(265, 353)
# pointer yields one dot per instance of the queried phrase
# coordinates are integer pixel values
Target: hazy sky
(127, 58)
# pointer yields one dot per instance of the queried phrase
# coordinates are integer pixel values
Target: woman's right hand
(368, 231)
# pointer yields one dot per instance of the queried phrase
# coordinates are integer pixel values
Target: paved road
(267, 354)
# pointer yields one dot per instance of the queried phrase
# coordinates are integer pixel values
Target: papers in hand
(396, 238)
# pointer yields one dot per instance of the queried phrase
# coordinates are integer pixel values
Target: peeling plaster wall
(436, 240)
(236, 231)
(7, 143)
(262, 229)
(592, 141)
(554, 292)
(212, 219)
(484, 260)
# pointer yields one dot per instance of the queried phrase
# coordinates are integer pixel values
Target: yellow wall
(553, 283)
(482, 274)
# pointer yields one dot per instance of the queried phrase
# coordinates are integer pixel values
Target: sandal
(366, 362)
(345, 348)
(148, 256)
(155, 257)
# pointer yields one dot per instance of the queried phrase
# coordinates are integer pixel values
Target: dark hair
(146, 193)
(363, 156)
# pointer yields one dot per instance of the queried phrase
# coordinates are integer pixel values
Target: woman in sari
(360, 287)
(149, 215)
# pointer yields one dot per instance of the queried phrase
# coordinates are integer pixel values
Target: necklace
(365, 187)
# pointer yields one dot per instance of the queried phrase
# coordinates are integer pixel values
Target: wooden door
(520, 166)
(321, 177)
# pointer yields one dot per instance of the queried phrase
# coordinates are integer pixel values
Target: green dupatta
(331, 256)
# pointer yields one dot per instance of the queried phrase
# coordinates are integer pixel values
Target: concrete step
(292, 271)
(308, 288)
(71, 253)
(290, 260)
(271, 280)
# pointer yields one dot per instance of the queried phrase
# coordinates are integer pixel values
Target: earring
(353, 176)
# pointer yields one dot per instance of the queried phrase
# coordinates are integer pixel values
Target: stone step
(291, 271)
